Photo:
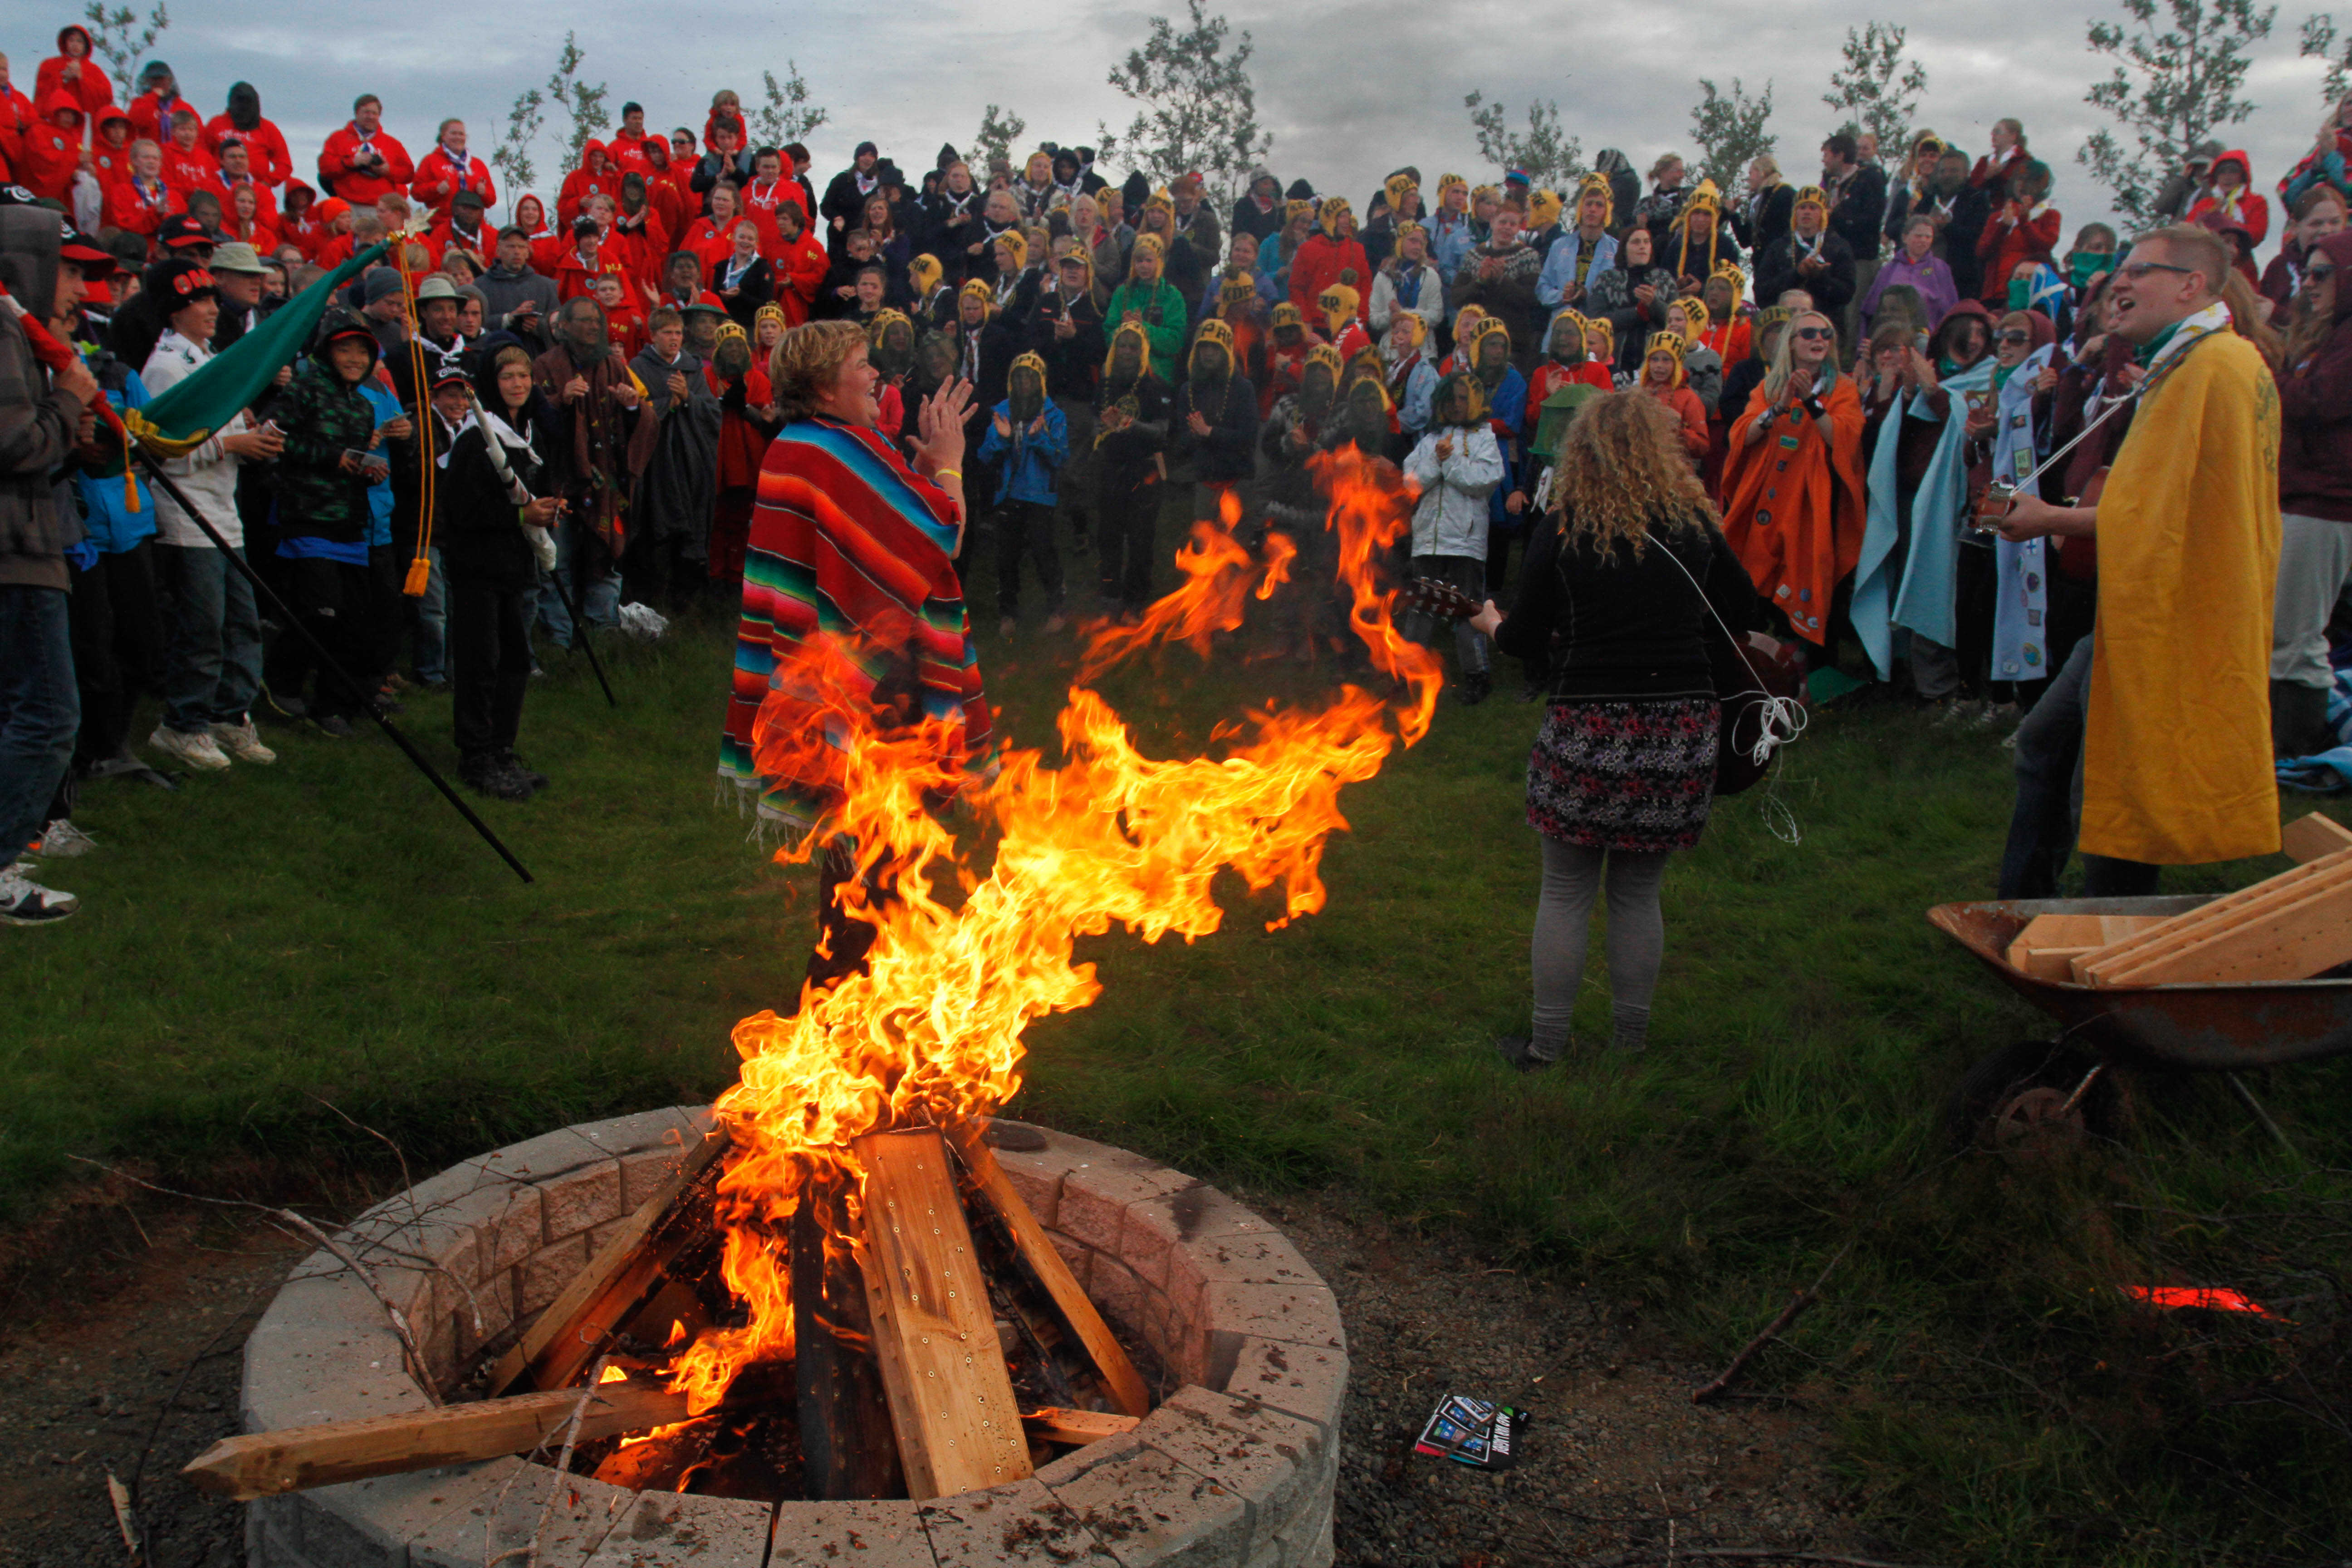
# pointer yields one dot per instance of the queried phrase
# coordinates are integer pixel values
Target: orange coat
(1793, 510)
(1684, 404)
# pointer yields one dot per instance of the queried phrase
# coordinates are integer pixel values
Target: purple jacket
(1931, 277)
(2316, 412)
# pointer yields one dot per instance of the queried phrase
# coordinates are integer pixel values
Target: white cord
(1784, 717)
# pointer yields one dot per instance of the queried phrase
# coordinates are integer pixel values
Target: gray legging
(1636, 943)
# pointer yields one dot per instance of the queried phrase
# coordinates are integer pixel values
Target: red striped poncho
(849, 545)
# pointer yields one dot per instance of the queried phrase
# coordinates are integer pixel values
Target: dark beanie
(1300, 191)
(1137, 191)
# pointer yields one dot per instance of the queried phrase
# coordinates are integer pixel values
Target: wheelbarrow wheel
(2022, 1092)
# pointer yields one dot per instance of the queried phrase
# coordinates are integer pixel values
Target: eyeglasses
(2014, 338)
(2138, 269)
(1813, 334)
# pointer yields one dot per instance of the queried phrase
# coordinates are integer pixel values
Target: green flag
(185, 417)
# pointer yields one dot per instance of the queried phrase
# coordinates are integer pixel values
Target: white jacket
(1449, 519)
(208, 473)
(1429, 304)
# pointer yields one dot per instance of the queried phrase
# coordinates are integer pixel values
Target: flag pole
(293, 624)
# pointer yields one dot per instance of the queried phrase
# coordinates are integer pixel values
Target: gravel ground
(1615, 1457)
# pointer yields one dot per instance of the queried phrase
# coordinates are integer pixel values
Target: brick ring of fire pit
(1236, 1466)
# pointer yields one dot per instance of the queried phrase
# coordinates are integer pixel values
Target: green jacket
(1164, 320)
(322, 418)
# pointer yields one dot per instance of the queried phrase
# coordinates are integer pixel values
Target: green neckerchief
(2147, 353)
(2000, 377)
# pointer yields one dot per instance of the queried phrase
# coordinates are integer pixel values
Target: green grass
(327, 929)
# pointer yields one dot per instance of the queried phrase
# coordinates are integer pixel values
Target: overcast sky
(1350, 92)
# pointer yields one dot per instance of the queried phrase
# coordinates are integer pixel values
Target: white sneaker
(196, 748)
(25, 903)
(61, 840)
(242, 740)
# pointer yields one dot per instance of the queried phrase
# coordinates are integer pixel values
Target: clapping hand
(941, 421)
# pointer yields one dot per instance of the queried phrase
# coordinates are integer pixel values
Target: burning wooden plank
(566, 1336)
(951, 1395)
(846, 1446)
(263, 1464)
(1120, 1377)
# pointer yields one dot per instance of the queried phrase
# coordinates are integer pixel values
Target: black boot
(523, 771)
(1475, 688)
(486, 773)
(2299, 720)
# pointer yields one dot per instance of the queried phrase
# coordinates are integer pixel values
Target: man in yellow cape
(2174, 734)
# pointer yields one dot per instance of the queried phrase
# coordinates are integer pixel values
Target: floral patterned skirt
(1637, 776)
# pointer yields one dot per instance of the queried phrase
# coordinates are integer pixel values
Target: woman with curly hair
(1630, 579)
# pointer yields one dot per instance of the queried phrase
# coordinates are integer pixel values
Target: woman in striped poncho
(849, 568)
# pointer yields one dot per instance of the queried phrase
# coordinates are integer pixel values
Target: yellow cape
(2176, 756)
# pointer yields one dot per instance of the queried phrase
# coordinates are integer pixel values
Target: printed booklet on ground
(1470, 1432)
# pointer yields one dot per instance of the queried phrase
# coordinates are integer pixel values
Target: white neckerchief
(865, 183)
(2213, 317)
(457, 160)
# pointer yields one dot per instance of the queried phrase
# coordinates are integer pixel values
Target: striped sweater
(848, 545)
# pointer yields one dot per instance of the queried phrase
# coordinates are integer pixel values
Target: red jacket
(112, 163)
(141, 212)
(306, 233)
(761, 201)
(799, 271)
(483, 246)
(265, 206)
(16, 120)
(1318, 266)
(187, 169)
(2247, 209)
(648, 239)
(573, 278)
(2009, 238)
(360, 187)
(627, 152)
(93, 90)
(51, 152)
(703, 238)
(440, 179)
(595, 177)
(151, 116)
(265, 144)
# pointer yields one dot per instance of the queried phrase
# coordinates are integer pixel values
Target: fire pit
(1235, 1463)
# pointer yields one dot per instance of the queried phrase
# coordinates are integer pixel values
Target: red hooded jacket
(52, 152)
(265, 145)
(595, 177)
(1318, 266)
(440, 179)
(358, 186)
(111, 162)
(140, 211)
(2009, 237)
(151, 116)
(2247, 208)
(89, 86)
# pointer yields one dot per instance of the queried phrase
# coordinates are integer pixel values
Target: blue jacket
(1028, 475)
(387, 408)
(109, 526)
(1559, 265)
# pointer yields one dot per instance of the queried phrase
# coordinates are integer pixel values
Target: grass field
(328, 931)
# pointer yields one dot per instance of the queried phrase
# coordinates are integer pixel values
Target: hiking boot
(1473, 689)
(242, 741)
(333, 724)
(1518, 1050)
(25, 903)
(61, 840)
(195, 747)
(523, 771)
(487, 772)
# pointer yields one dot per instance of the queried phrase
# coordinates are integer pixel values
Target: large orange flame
(932, 1032)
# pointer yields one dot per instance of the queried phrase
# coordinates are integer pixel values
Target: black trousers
(1128, 524)
(117, 627)
(334, 600)
(489, 663)
(1026, 528)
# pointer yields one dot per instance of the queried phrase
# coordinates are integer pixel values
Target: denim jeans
(212, 648)
(2048, 810)
(582, 562)
(428, 645)
(40, 710)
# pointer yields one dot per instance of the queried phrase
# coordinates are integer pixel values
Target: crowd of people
(507, 434)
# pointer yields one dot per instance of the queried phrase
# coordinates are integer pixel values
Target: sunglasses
(1813, 334)
(2014, 338)
(2318, 274)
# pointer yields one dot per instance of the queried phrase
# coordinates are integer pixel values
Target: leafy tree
(1877, 87)
(1729, 131)
(2319, 41)
(511, 156)
(2174, 84)
(788, 116)
(119, 40)
(1552, 161)
(582, 103)
(994, 139)
(1199, 110)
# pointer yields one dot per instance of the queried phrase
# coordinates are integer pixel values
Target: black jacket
(1628, 627)
(1775, 272)
(477, 525)
(1860, 209)
(1126, 456)
(1767, 223)
(1224, 455)
(845, 201)
(1072, 364)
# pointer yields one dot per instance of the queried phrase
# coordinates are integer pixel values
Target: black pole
(293, 622)
(579, 630)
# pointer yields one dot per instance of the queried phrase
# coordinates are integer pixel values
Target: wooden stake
(263, 1464)
(1110, 1359)
(847, 1446)
(950, 1393)
(2195, 925)
(2312, 838)
(573, 1329)
(1078, 1426)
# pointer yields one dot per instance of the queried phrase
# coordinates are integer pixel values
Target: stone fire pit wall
(1236, 1467)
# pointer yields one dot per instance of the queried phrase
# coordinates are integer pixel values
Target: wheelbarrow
(2067, 1083)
